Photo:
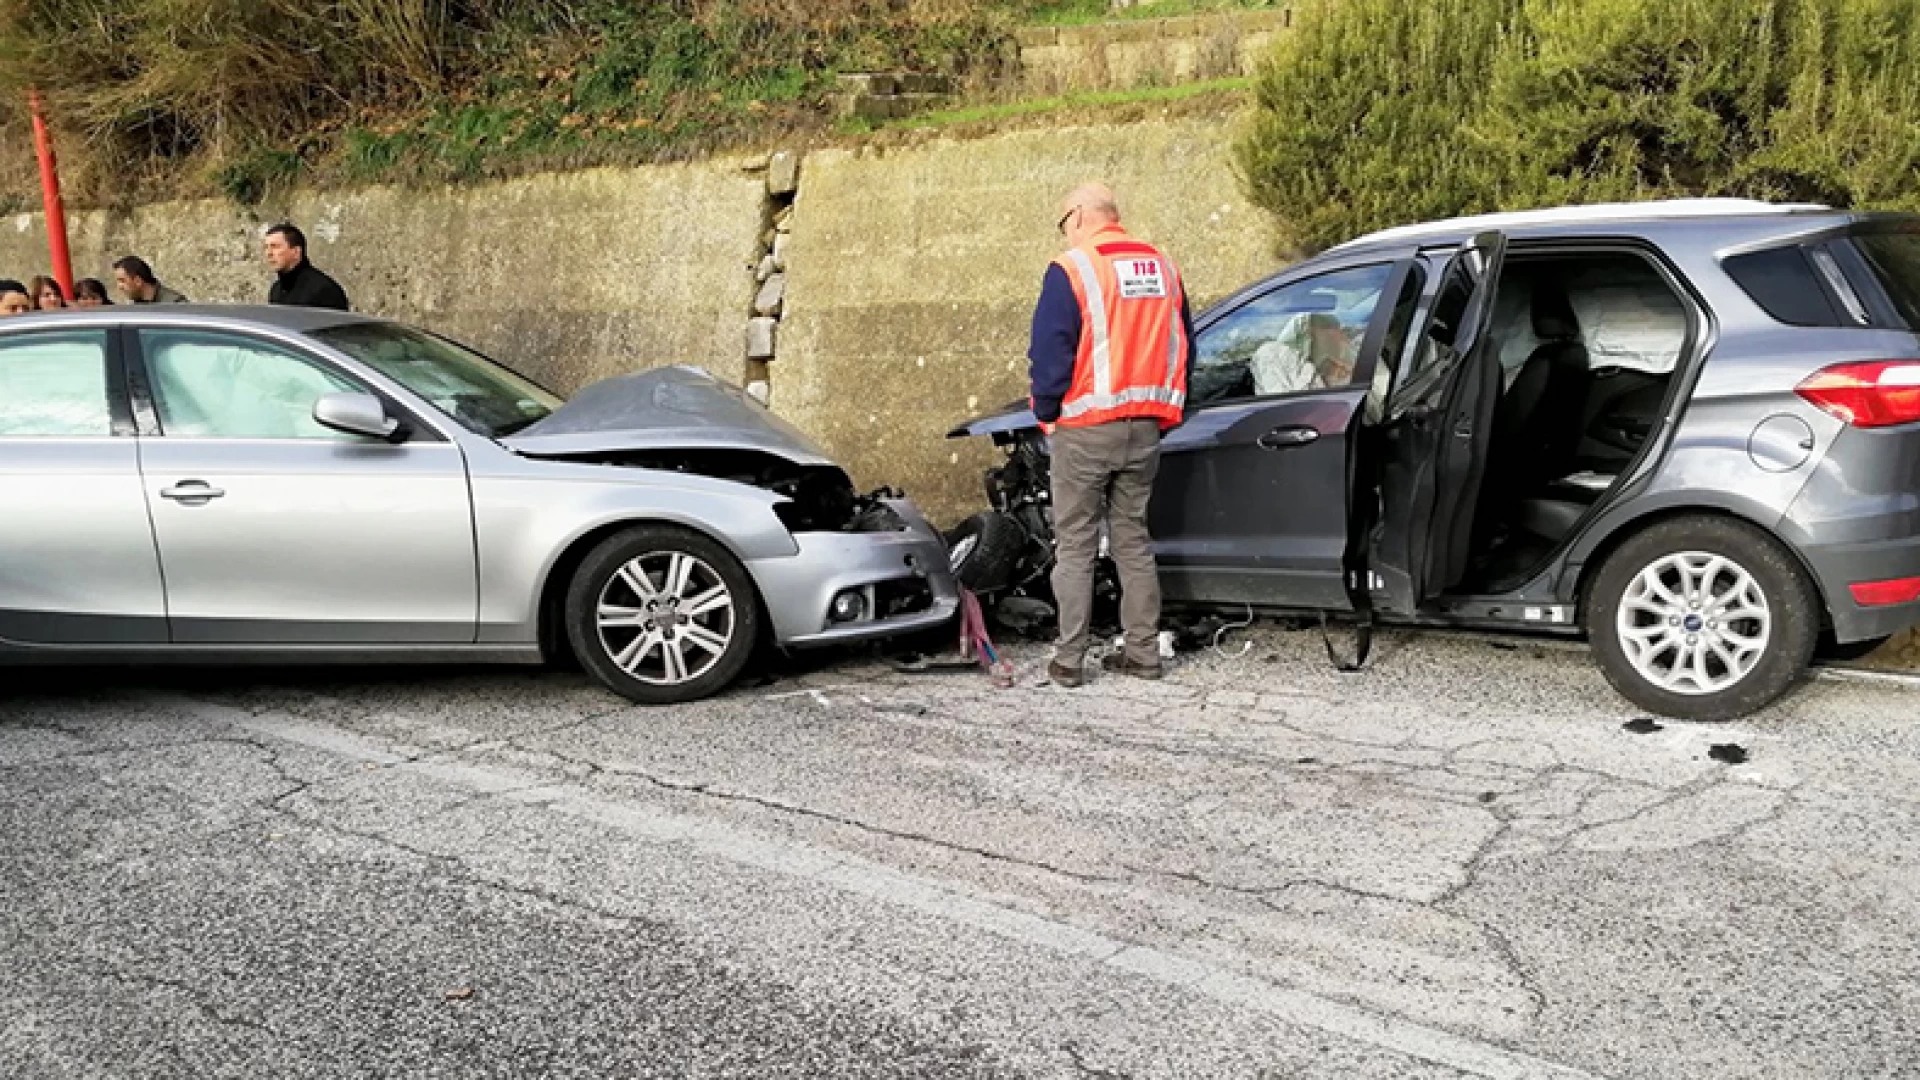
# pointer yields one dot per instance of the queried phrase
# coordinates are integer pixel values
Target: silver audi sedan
(228, 484)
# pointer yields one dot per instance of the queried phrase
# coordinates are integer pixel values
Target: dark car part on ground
(1006, 554)
(987, 552)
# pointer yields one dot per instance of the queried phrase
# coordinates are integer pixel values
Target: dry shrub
(247, 92)
(165, 78)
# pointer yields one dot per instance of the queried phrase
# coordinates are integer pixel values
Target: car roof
(299, 320)
(1599, 217)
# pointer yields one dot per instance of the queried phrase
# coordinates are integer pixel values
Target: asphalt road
(1459, 864)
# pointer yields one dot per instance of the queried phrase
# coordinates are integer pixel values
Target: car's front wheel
(661, 614)
(1702, 618)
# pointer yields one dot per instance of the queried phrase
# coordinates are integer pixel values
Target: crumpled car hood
(670, 408)
(1017, 416)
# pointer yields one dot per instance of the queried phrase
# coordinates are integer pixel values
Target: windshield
(1895, 258)
(477, 393)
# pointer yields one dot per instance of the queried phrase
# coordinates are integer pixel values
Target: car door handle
(192, 492)
(1282, 438)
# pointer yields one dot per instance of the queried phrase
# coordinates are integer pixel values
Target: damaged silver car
(288, 485)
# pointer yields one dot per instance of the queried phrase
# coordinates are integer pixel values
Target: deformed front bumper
(883, 566)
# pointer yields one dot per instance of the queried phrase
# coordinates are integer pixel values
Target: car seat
(1536, 428)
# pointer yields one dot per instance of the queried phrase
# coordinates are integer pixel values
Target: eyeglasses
(1061, 225)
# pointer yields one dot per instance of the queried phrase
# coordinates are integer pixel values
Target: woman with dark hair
(46, 293)
(89, 292)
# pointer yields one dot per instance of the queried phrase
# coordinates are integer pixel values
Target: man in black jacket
(299, 282)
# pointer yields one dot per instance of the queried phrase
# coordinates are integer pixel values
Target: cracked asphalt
(1457, 864)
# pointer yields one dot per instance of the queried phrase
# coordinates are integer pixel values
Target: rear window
(1895, 261)
(1782, 281)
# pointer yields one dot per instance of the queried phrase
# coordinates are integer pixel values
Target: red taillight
(1869, 394)
(1881, 593)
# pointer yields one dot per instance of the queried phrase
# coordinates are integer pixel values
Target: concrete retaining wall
(910, 271)
(569, 277)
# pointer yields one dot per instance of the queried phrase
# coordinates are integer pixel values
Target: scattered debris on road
(1731, 753)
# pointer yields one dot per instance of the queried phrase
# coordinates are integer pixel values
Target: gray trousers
(1105, 471)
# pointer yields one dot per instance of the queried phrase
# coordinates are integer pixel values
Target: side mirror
(355, 414)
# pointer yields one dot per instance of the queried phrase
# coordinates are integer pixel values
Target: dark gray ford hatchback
(1689, 429)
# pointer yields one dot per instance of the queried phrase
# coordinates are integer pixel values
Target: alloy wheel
(1694, 622)
(666, 617)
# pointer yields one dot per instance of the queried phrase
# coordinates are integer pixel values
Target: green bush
(1378, 113)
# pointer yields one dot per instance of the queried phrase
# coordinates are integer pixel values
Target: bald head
(1086, 210)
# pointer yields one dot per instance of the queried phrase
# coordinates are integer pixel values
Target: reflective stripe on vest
(1164, 395)
(1096, 323)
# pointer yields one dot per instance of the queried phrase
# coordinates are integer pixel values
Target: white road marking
(863, 877)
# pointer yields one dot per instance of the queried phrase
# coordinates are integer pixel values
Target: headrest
(1553, 317)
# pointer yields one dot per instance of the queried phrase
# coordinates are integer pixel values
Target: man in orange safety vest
(1112, 335)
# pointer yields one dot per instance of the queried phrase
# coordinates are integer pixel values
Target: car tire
(984, 551)
(661, 614)
(1656, 616)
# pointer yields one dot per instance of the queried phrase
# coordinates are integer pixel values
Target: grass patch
(975, 114)
(1084, 12)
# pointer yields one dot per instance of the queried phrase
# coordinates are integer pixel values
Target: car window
(480, 395)
(54, 385)
(227, 387)
(1781, 281)
(1895, 260)
(1303, 336)
(1387, 368)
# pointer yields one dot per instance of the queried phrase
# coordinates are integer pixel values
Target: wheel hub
(666, 617)
(1694, 623)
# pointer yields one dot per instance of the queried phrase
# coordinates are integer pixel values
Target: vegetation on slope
(1379, 112)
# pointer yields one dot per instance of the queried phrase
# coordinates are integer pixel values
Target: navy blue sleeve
(1186, 325)
(1054, 345)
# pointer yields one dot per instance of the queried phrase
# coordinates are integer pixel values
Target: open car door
(1431, 449)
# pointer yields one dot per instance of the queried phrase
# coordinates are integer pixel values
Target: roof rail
(1629, 211)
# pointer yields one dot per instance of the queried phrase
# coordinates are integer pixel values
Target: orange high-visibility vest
(1133, 345)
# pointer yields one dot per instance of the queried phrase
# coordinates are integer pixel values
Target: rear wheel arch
(1593, 553)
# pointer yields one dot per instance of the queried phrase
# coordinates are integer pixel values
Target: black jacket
(306, 286)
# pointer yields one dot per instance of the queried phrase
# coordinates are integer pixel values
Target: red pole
(50, 195)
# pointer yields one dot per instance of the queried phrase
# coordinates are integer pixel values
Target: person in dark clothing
(299, 283)
(138, 284)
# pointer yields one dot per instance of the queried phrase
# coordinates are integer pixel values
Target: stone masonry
(1147, 52)
(770, 272)
(879, 96)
